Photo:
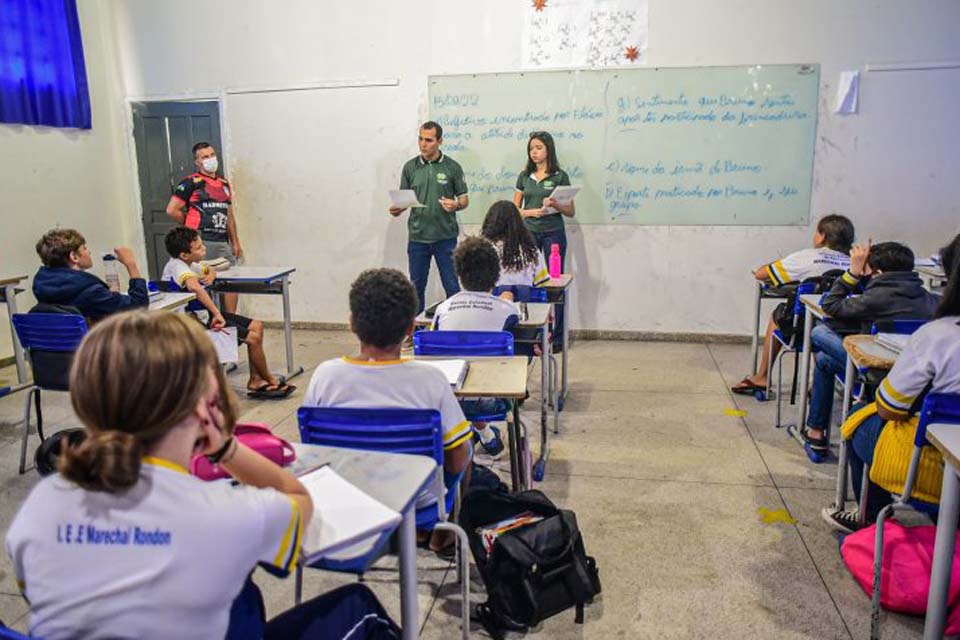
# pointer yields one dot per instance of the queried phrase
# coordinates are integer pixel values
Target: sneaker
(845, 521)
(493, 446)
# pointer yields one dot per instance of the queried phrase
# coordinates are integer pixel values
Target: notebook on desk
(346, 521)
(455, 370)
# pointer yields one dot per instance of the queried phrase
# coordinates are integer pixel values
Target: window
(43, 80)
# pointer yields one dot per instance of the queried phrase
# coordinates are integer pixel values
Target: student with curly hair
(383, 307)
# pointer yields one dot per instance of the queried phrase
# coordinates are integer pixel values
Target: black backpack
(532, 572)
(783, 314)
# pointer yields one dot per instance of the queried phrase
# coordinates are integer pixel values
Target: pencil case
(256, 436)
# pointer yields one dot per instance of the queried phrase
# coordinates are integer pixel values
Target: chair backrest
(804, 288)
(60, 332)
(523, 292)
(938, 408)
(902, 327)
(410, 431)
(463, 343)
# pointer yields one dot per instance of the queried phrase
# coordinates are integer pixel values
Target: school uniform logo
(548, 184)
(442, 178)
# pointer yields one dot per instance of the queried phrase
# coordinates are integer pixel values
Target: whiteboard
(657, 146)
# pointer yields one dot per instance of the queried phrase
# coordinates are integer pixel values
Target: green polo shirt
(442, 178)
(533, 194)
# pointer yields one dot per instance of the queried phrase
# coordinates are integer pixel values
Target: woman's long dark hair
(950, 258)
(552, 165)
(503, 224)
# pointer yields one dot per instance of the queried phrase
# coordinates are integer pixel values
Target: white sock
(486, 434)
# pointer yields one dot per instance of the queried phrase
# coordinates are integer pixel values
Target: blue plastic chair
(6, 633)
(50, 340)
(171, 285)
(407, 431)
(901, 327)
(792, 345)
(938, 408)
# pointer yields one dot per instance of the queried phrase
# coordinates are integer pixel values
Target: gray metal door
(164, 133)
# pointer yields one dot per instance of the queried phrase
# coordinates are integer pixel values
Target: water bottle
(110, 274)
(554, 264)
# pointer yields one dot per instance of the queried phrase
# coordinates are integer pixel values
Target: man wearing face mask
(203, 201)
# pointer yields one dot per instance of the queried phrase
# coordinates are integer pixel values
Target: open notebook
(454, 369)
(345, 520)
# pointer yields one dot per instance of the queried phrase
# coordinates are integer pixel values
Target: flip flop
(265, 392)
(818, 444)
(747, 387)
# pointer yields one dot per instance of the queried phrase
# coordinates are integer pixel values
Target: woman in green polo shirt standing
(534, 186)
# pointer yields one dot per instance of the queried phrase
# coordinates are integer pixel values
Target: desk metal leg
(288, 330)
(754, 337)
(566, 349)
(943, 555)
(540, 467)
(10, 293)
(515, 448)
(841, 498)
(803, 383)
(409, 605)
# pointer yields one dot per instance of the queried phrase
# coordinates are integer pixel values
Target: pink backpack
(905, 577)
(258, 437)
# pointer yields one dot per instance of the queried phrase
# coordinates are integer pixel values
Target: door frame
(135, 217)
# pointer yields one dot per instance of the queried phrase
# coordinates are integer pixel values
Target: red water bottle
(554, 265)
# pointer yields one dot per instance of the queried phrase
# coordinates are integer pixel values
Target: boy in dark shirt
(63, 279)
(893, 291)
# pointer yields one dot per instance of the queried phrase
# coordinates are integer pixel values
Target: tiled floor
(667, 487)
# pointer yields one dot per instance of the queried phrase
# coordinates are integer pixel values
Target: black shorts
(240, 323)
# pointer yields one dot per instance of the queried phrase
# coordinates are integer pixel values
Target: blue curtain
(42, 76)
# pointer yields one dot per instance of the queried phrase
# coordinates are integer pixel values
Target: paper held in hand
(346, 521)
(563, 195)
(404, 199)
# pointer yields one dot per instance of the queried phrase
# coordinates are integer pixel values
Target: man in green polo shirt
(438, 182)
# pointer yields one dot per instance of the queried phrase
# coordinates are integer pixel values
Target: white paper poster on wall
(584, 33)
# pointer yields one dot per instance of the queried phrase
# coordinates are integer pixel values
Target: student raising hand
(858, 259)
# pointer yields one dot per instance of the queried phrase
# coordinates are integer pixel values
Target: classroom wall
(69, 177)
(311, 168)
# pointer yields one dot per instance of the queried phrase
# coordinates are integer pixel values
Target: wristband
(218, 455)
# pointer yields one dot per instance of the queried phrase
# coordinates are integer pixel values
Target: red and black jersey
(207, 200)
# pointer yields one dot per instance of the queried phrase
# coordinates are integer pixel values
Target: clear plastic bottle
(110, 274)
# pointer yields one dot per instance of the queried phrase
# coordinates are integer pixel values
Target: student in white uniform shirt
(475, 308)
(881, 434)
(123, 542)
(832, 242)
(521, 261)
(383, 310)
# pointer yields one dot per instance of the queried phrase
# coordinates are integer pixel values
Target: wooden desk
(8, 289)
(503, 377)
(559, 287)
(946, 438)
(863, 353)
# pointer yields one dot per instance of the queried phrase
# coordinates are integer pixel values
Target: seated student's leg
(830, 361)
(352, 611)
(262, 383)
(418, 262)
(443, 256)
(861, 450)
(758, 379)
(247, 614)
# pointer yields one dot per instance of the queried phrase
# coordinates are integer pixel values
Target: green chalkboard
(664, 146)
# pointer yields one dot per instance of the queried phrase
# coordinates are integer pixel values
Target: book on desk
(893, 341)
(455, 369)
(346, 521)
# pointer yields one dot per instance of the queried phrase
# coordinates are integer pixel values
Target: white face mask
(210, 164)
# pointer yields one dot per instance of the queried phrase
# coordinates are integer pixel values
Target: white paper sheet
(225, 342)
(848, 93)
(404, 198)
(563, 195)
(455, 370)
(343, 515)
